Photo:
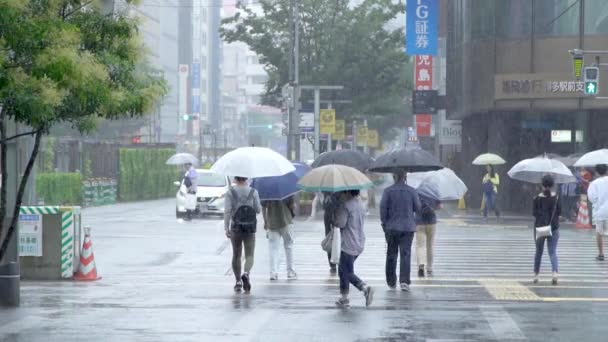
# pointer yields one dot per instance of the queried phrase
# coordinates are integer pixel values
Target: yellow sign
(372, 138)
(362, 136)
(340, 133)
(328, 121)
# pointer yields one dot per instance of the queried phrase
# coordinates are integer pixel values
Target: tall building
(510, 79)
(243, 83)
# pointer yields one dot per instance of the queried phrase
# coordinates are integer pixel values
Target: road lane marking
(509, 291)
(502, 324)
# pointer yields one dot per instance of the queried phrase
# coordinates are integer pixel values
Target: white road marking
(502, 324)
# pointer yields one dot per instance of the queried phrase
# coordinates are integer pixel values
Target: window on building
(596, 16)
(514, 18)
(556, 17)
(482, 18)
(253, 60)
(257, 79)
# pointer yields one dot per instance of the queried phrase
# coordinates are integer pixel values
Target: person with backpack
(278, 218)
(242, 204)
(490, 183)
(546, 211)
(426, 223)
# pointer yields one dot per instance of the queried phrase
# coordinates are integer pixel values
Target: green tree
(340, 44)
(67, 61)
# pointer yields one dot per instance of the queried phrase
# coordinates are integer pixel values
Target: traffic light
(591, 77)
(186, 117)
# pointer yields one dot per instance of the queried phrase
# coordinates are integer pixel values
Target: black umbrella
(354, 159)
(406, 159)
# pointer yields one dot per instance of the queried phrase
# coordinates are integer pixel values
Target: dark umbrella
(407, 159)
(354, 159)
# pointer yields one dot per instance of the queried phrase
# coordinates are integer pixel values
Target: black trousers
(399, 244)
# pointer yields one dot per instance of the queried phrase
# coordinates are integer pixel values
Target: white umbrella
(593, 158)
(532, 171)
(334, 178)
(181, 159)
(488, 159)
(442, 185)
(253, 162)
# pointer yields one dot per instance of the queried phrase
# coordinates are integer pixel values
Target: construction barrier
(49, 241)
(583, 221)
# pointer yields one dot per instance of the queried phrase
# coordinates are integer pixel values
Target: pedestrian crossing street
(468, 254)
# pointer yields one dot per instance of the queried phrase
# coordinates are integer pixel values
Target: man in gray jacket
(398, 209)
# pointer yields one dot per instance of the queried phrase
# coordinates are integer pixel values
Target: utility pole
(293, 90)
(329, 140)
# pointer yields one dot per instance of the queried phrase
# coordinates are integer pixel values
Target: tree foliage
(68, 61)
(340, 44)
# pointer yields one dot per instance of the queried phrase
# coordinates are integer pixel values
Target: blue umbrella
(281, 187)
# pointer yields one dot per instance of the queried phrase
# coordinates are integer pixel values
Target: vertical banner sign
(328, 121)
(183, 89)
(196, 88)
(30, 235)
(423, 74)
(372, 138)
(362, 136)
(424, 123)
(422, 27)
(340, 133)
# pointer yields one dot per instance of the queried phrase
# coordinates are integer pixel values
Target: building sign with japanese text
(30, 235)
(422, 27)
(531, 86)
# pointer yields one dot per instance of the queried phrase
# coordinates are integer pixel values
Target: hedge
(144, 174)
(59, 188)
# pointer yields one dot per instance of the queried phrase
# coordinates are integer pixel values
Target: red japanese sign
(423, 125)
(423, 80)
(424, 72)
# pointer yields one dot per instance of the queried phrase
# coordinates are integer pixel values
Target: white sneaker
(292, 275)
(343, 302)
(274, 276)
(405, 287)
(536, 279)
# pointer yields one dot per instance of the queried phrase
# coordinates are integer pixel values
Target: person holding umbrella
(598, 196)
(242, 205)
(490, 183)
(191, 183)
(547, 210)
(398, 209)
(278, 218)
(426, 223)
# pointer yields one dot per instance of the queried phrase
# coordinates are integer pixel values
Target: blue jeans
(490, 204)
(552, 244)
(399, 243)
(346, 272)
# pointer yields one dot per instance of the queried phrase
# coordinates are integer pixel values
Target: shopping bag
(327, 242)
(190, 202)
(336, 246)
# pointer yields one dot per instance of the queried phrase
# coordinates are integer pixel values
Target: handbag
(546, 231)
(328, 241)
(336, 246)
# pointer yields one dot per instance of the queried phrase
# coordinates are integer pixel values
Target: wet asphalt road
(170, 281)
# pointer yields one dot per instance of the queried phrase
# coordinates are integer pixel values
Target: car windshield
(211, 180)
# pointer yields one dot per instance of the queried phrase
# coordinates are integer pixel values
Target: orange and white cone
(87, 271)
(582, 220)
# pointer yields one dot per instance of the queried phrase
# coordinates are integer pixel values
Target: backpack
(244, 219)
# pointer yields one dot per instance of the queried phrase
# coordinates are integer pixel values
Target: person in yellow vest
(490, 184)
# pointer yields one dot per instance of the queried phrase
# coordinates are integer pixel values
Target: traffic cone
(462, 205)
(87, 271)
(582, 220)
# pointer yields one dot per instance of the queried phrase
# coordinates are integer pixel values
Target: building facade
(510, 80)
